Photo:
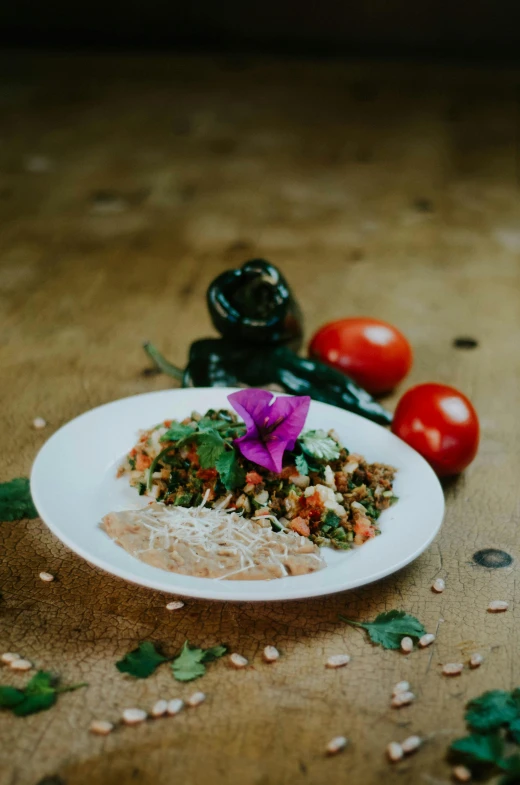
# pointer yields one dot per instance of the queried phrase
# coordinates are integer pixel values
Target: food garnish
(141, 662)
(389, 628)
(16, 500)
(38, 695)
(273, 424)
(191, 662)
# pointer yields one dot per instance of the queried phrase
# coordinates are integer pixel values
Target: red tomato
(441, 424)
(373, 353)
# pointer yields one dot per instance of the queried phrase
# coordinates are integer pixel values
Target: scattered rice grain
(462, 774)
(46, 577)
(337, 661)
(476, 660)
(406, 645)
(438, 585)
(426, 640)
(159, 709)
(452, 668)
(411, 744)
(196, 699)
(498, 606)
(394, 751)
(237, 661)
(271, 654)
(175, 605)
(9, 657)
(174, 706)
(101, 727)
(133, 716)
(335, 745)
(20, 665)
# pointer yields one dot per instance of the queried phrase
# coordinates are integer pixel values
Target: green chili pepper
(218, 363)
(255, 305)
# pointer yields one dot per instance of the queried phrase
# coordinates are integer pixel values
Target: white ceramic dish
(74, 484)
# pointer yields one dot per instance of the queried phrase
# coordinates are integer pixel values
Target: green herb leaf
(39, 694)
(490, 711)
(512, 766)
(231, 473)
(141, 662)
(302, 465)
(389, 628)
(214, 653)
(189, 665)
(479, 748)
(9, 697)
(210, 446)
(331, 519)
(16, 501)
(514, 729)
(177, 431)
(319, 445)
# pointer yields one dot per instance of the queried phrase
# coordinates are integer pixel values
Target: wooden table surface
(126, 185)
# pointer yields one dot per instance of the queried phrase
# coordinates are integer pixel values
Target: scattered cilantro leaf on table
(491, 710)
(16, 500)
(177, 431)
(230, 471)
(319, 445)
(390, 627)
(481, 748)
(494, 721)
(189, 665)
(141, 662)
(40, 694)
(302, 465)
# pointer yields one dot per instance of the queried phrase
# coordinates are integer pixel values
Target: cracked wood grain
(279, 160)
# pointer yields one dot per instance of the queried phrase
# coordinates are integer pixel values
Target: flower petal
(252, 405)
(294, 411)
(257, 452)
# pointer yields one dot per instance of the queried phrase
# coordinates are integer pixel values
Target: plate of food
(242, 495)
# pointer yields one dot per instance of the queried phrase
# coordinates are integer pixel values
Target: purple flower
(273, 425)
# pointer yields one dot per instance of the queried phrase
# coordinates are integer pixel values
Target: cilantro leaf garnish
(230, 471)
(390, 627)
(319, 445)
(481, 748)
(302, 465)
(189, 665)
(177, 431)
(141, 662)
(40, 694)
(16, 500)
(210, 446)
(491, 710)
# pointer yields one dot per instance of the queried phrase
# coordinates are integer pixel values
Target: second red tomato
(373, 353)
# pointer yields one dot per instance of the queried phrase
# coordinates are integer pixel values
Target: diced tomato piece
(207, 474)
(300, 526)
(142, 462)
(253, 478)
(133, 452)
(167, 423)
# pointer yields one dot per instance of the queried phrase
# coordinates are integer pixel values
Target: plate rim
(201, 593)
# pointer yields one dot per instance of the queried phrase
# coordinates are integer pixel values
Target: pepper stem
(161, 362)
(72, 687)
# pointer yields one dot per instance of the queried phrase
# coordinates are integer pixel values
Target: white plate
(74, 484)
